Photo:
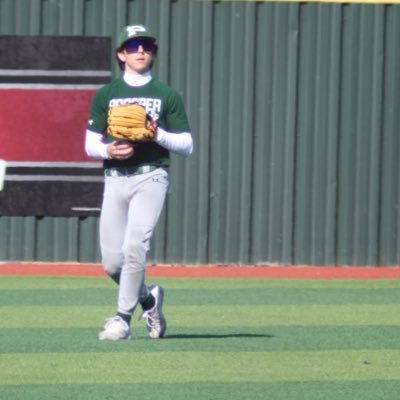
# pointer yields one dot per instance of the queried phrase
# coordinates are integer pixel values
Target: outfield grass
(226, 339)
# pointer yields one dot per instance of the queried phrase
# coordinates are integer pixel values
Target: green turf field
(226, 339)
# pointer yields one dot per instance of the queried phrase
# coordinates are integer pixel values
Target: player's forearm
(181, 143)
(94, 146)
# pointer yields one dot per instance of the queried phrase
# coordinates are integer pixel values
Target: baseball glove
(130, 122)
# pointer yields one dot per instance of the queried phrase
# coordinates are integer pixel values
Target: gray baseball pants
(131, 208)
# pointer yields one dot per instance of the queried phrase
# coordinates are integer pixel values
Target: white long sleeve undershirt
(94, 146)
(180, 143)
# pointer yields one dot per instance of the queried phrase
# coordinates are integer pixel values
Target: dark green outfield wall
(295, 115)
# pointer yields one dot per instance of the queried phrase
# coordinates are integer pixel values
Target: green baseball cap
(131, 32)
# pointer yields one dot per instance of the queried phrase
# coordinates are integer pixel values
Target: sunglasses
(133, 45)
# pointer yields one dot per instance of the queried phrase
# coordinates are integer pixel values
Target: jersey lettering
(152, 106)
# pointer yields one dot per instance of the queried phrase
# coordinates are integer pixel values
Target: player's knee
(136, 253)
(136, 248)
(112, 264)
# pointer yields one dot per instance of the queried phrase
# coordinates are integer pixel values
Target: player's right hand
(120, 150)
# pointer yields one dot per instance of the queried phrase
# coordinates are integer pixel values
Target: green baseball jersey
(161, 102)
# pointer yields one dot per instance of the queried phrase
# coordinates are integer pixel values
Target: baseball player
(136, 178)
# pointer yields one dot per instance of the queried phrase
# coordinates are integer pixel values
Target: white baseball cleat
(155, 321)
(115, 329)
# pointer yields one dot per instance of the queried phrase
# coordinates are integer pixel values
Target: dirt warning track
(209, 271)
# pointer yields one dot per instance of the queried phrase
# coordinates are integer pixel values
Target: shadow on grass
(216, 336)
